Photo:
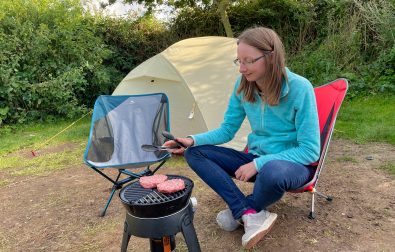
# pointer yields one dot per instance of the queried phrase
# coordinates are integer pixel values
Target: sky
(120, 9)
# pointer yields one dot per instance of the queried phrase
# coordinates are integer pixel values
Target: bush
(50, 58)
(132, 41)
(356, 42)
(55, 58)
(197, 22)
(294, 21)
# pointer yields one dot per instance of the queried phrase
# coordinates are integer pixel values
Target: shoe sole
(256, 237)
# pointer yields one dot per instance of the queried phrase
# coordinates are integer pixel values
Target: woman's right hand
(173, 144)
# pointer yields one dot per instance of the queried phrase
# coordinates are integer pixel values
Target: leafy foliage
(197, 22)
(292, 20)
(55, 58)
(324, 40)
(151, 4)
(132, 42)
(356, 42)
(51, 59)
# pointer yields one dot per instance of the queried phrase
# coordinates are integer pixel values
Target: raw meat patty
(152, 181)
(171, 185)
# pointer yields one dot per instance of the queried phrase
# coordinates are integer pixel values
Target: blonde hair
(265, 40)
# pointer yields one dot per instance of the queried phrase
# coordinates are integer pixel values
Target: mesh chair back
(121, 124)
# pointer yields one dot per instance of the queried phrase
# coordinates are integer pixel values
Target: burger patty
(171, 186)
(152, 181)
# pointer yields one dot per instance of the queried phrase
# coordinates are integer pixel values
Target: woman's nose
(242, 68)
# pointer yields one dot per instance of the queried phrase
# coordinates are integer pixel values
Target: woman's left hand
(245, 172)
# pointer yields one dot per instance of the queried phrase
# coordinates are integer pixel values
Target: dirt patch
(59, 212)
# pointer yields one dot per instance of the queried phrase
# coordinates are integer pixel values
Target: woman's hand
(178, 151)
(245, 172)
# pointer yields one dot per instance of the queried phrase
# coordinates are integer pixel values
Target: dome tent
(198, 76)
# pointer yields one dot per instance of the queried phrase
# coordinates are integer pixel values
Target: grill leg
(189, 233)
(125, 238)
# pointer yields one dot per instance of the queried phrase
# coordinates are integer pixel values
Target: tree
(220, 5)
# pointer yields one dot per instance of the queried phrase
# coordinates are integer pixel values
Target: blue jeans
(217, 165)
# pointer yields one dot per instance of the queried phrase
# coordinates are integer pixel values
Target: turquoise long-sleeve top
(287, 131)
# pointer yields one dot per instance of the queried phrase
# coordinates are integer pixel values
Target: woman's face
(251, 62)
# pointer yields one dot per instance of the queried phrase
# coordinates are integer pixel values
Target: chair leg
(328, 198)
(104, 209)
(115, 187)
(312, 213)
(313, 192)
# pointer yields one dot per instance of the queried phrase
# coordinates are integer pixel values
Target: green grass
(95, 229)
(389, 167)
(4, 182)
(16, 166)
(365, 120)
(176, 162)
(47, 163)
(10, 162)
(36, 136)
(362, 120)
(40, 137)
(346, 159)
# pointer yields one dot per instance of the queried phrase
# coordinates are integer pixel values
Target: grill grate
(135, 194)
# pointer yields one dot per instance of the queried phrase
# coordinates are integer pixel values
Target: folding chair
(120, 125)
(329, 98)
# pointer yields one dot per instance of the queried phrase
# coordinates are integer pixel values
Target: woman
(281, 109)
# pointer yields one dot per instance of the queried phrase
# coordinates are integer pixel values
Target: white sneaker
(226, 221)
(256, 226)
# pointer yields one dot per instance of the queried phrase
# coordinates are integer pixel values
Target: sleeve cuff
(194, 141)
(256, 166)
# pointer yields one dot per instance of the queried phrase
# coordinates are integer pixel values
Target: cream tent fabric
(198, 76)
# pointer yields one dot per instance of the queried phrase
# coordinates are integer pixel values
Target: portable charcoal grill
(159, 216)
(149, 203)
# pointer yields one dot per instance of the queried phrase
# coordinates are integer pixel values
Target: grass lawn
(362, 120)
(38, 135)
(64, 196)
(365, 120)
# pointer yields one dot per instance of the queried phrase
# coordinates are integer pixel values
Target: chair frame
(145, 170)
(118, 184)
(312, 184)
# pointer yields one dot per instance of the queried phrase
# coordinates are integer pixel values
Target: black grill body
(154, 215)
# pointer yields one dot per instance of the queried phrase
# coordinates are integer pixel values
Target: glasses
(249, 63)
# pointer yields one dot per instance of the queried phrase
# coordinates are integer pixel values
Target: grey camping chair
(120, 126)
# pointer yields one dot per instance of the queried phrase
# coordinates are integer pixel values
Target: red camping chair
(329, 97)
